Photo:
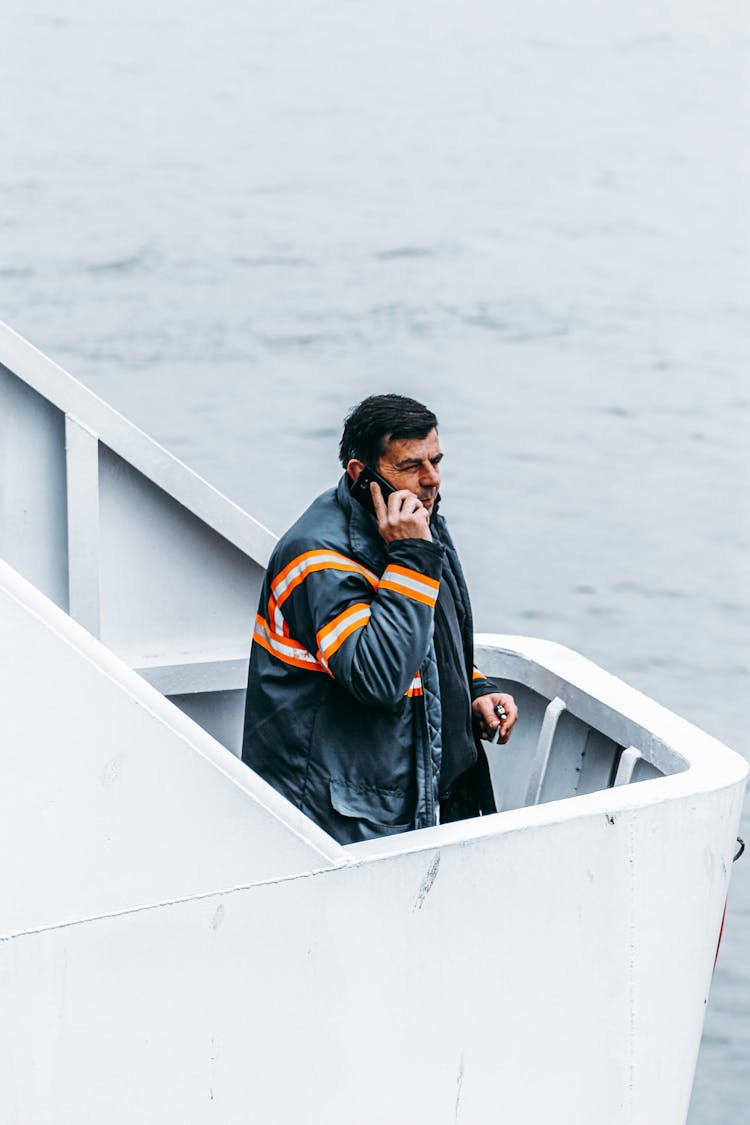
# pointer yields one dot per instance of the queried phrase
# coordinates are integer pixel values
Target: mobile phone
(360, 488)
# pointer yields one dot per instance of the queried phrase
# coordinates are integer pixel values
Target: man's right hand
(405, 517)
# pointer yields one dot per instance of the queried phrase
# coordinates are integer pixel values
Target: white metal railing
(134, 545)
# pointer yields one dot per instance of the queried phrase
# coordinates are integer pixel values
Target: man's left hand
(486, 718)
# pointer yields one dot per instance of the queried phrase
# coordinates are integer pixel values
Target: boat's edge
(702, 751)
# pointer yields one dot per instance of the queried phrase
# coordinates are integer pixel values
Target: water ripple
(405, 252)
(119, 265)
(271, 260)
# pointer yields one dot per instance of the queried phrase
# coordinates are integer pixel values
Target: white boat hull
(179, 944)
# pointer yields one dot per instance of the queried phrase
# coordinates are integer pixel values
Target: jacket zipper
(429, 780)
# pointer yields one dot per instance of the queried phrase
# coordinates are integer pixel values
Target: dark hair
(379, 417)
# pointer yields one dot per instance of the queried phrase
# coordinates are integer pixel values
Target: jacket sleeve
(371, 634)
(480, 685)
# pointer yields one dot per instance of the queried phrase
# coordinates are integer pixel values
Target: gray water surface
(234, 220)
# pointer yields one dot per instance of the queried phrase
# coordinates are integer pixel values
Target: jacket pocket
(369, 812)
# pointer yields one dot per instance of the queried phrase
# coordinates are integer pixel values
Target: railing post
(540, 762)
(82, 467)
(629, 759)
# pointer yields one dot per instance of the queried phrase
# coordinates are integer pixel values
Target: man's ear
(354, 468)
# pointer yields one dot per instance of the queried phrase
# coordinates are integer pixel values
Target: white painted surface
(168, 583)
(110, 797)
(82, 477)
(33, 516)
(525, 975)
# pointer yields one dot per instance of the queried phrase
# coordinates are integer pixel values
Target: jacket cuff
(422, 555)
(481, 686)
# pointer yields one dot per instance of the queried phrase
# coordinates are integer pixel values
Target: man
(363, 705)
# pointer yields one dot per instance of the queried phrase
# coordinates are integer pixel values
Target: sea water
(235, 220)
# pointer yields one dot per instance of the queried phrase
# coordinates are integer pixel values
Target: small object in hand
(501, 714)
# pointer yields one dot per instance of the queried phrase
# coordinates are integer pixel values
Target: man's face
(413, 463)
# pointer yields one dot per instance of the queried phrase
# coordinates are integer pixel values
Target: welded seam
(134, 696)
(172, 902)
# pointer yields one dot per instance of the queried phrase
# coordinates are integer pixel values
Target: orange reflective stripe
(285, 648)
(411, 583)
(297, 571)
(332, 636)
(477, 675)
(414, 575)
(415, 687)
(414, 595)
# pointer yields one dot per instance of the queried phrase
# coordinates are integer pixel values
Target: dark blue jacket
(343, 703)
